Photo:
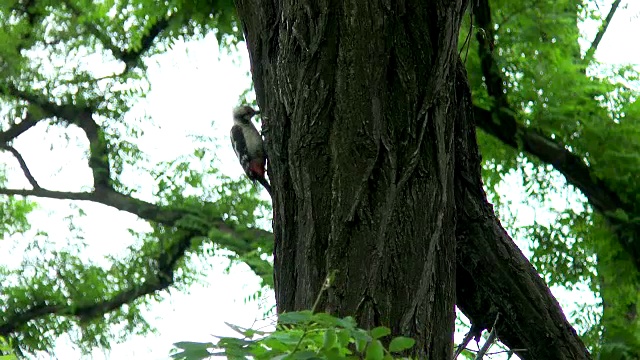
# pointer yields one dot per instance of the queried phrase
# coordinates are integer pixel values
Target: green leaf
(347, 322)
(275, 343)
(380, 331)
(375, 350)
(238, 329)
(329, 339)
(360, 345)
(401, 343)
(304, 355)
(619, 214)
(287, 337)
(230, 342)
(360, 334)
(295, 317)
(192, 350)
(344, 337)
(190, 345)
(333, 353)
(325, 319)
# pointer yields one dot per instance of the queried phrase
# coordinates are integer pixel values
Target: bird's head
(244, 113)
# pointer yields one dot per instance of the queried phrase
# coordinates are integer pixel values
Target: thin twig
(467, 41)
(603, 28)
(509, 351)
(94, 80)
(23, 165)
(487, 344)
(467, 338)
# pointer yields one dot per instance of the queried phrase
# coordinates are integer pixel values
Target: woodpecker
(248, 145)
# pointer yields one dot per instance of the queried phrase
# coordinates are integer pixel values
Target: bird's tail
(263, 181)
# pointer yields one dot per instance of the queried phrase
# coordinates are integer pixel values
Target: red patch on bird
(257, 168)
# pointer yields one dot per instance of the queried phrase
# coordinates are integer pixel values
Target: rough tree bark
(373, 159)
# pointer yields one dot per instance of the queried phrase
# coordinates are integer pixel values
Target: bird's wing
(238, 142)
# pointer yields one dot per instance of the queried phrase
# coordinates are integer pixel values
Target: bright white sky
(193, 91)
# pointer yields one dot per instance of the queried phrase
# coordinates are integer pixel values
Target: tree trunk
(372, 158)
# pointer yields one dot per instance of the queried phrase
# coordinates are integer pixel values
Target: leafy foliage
(554, 86)
(49, 77)
(6, 350)
(13, 216)
(302, 335)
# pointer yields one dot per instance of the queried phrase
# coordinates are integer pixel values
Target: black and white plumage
(248, 145)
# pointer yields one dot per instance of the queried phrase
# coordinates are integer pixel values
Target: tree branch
(84, 312)
(83, 118)
(491, 72)
(603, 28)
(501, 123)
(128, 56)
(16, 130)
(40, 192)
(131, 57)
(98, 151)
(23, 165)
(493, 276)
(473, 333)
(564, 161)
(490, 340)
(240, 242)
(167, 216)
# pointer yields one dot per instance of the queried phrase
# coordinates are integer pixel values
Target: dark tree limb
(83, 118)
(130, 57)
(223, 234)
(16, 130)
(491, 72)
(603, 29)
(549, 151)
(489, 342)
(98, 151)
(23, 165)
(167, 216)
(16, 321)
(473, 333)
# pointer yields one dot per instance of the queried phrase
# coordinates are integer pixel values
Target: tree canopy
(560, 111)
(547, 111)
